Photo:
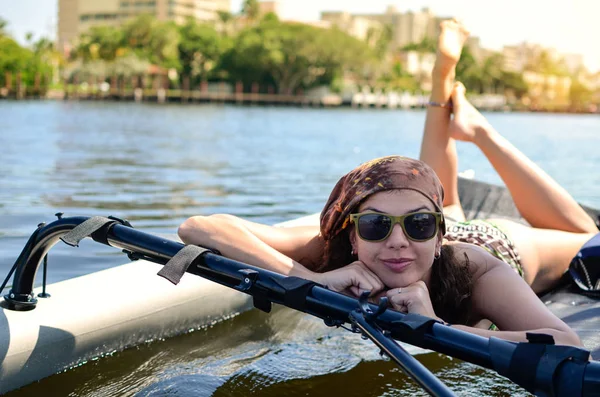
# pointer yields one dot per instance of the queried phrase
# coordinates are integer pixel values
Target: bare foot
(467, 121)
(452, 38)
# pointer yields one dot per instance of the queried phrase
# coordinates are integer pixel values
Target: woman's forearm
(232, 239)
(560, 337)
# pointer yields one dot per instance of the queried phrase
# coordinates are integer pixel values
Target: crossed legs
(559, 225)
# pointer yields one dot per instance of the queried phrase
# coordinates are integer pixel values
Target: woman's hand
(412, 299)
(452, 38)
(354, 279)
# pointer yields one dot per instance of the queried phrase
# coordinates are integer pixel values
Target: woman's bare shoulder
(479, 260)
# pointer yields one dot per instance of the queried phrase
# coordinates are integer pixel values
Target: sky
(569, 26)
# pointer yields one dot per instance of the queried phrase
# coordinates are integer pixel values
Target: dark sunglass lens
(420, 226)
(374, 226)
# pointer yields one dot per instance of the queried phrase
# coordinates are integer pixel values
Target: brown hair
(450, 286)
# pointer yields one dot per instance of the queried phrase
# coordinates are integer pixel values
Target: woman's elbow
(188, 228)
(192, 229)
(567, 337)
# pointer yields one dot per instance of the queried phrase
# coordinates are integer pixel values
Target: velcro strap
(549, 364)
(175, 268)
(524, 364)
(86, 229)
(296, 291)
(540, 338)
(413, 325)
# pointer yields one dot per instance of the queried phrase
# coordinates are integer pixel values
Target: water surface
(157, 165)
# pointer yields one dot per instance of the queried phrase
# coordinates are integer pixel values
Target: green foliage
(292, 55)
(224, 16)
(100, 43)
(426, 45)
(251, 9)
(580, 95)
(397, 79)
(380, 40)
(143, 38)
(514, 82)
(15, 59)
(153, 40)
(469, 72)
(3, 24)
(543, 63)
(489, 75)
(200, 48)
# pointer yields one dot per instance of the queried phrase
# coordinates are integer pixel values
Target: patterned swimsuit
(487, 236)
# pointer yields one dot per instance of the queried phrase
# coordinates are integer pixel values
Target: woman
(382, 229)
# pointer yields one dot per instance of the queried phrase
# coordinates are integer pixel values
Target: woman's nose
(397, 238)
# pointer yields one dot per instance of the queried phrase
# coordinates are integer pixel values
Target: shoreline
(260, 99)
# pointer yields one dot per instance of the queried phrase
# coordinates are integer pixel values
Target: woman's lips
(397, 264)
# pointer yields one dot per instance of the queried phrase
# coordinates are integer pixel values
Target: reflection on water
(157, 165)
(284, 353)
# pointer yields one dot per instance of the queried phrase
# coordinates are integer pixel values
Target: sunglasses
(417, 226)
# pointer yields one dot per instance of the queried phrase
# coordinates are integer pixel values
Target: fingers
(399, 301)
(368, 278)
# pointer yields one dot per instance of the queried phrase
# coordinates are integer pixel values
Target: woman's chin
(399, 282)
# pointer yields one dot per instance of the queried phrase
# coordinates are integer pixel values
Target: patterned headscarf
(385, 173)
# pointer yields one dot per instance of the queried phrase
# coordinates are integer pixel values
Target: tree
(427, 44)
(225, 18)
(468, 71)
(153, 40)
(100, 43)
(200, 48)
(491, 72)
(13, 57)
(251, 9)
(514, 82)
(380, 39)
(291, 55)
(543, 63)
(580, 95)
(3, 24)
(398, 79)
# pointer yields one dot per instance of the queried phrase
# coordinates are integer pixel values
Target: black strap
(534, 365)
(413, 326)
(175, 268)
(524, 364)
(554, 357)
(88, 228)
(296, 291)
(545, 339)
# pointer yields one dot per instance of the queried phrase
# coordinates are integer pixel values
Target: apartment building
(77, 16)
(409, 27)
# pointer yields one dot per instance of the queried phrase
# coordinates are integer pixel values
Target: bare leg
(545, 254)
(538, 197)
(438, 150)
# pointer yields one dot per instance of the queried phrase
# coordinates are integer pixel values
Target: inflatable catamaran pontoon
(41, 335)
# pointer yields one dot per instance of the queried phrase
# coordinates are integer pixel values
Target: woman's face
(397, 260)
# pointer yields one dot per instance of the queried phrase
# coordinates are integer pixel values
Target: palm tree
(225, 18)
(492, 72)
(3, 24)
(251, 9)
